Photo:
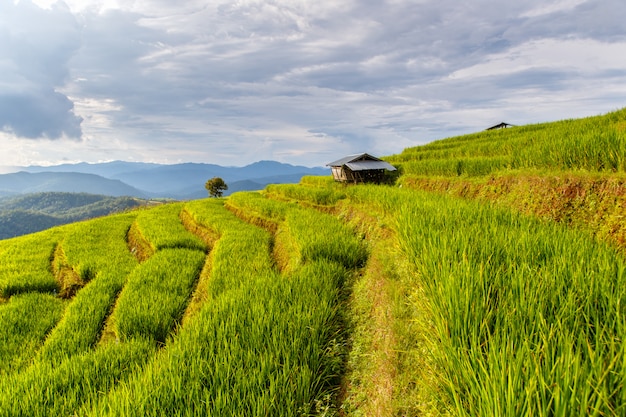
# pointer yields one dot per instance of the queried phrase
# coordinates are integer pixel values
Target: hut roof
(500, 126)
(362, 162)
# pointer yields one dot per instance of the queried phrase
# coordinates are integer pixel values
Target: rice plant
(97, 250)
(25, 320)
(155, 297)
(258, 210)
(324, 196)
(25, 263)
(61, 387)
(518, 316)
(162, 228)
(321, 236)
(262, 344)
(529, 316)
(593, 144)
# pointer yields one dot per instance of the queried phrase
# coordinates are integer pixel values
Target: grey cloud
(45, 114)
(36, 47)
(544, 79)
(363, 73)
(599, 20)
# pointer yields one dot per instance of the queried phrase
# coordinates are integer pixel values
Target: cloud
(44, 114)
(238, 81)
(36, 48)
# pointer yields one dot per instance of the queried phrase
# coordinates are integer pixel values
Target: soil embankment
(596, 203)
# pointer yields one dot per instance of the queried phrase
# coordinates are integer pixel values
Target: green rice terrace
(487, 279)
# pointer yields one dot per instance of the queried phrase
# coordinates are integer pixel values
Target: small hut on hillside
(502, 125)
(360, 168)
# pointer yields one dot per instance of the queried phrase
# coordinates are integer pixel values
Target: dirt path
(372, 366)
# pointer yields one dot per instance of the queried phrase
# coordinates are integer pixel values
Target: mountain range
(148, 180)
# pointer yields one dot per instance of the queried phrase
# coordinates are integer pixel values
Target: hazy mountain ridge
(73, 182)
(146, 180)
(37, 198)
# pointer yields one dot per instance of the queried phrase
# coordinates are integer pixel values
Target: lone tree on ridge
(216, 187)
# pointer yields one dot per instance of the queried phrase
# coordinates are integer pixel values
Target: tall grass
(529, 316)
(256, 209)
(155, 297)
(320, 236)
(25, 263)
(319, 181)
(25, 320)
(305, 234)
(97, 250)
(593, 144)
(325, 196)
(61, 387)
(162, 228)
(262, 344)
(69, 371)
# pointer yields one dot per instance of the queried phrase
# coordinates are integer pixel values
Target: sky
(304, 82)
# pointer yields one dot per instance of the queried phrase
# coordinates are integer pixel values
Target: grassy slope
(460, 308)
(39, 211)
(572, 171)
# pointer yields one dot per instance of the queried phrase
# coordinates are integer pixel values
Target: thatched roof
(362, 162)
(499, 126)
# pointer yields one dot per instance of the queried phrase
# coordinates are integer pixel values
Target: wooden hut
(360, 168)
(502, 125)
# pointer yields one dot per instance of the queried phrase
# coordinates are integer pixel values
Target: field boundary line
(252, 218)
(593, 203)
(200, 293)
(137, 244)
(278, 252)
(69, 280)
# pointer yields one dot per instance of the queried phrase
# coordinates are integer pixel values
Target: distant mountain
(36, 198)
(73, 182)
(184, 180)
(178, 181)
(104, 169)
(34, 212)
(173, 180)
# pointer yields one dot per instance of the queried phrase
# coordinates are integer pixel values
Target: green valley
(488, 280)
(31, 213)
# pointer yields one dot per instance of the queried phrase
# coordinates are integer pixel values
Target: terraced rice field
(255, 340)
(317, 299)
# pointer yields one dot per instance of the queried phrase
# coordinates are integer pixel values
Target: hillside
(490, 280)
(571, 171)
(30, 213)
(71, 182)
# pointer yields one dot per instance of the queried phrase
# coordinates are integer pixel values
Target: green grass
(255, 208)
(155, 297)
(529, 316)
(262, 344)
(592, 144)
(326, 196)
(305, 234)
(480, 310)
(25, 265)
(25, 321)
(62, 387)
(162, 228)
(320, 236)
(97, 251)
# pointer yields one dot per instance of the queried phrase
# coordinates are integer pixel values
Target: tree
(216, 186)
